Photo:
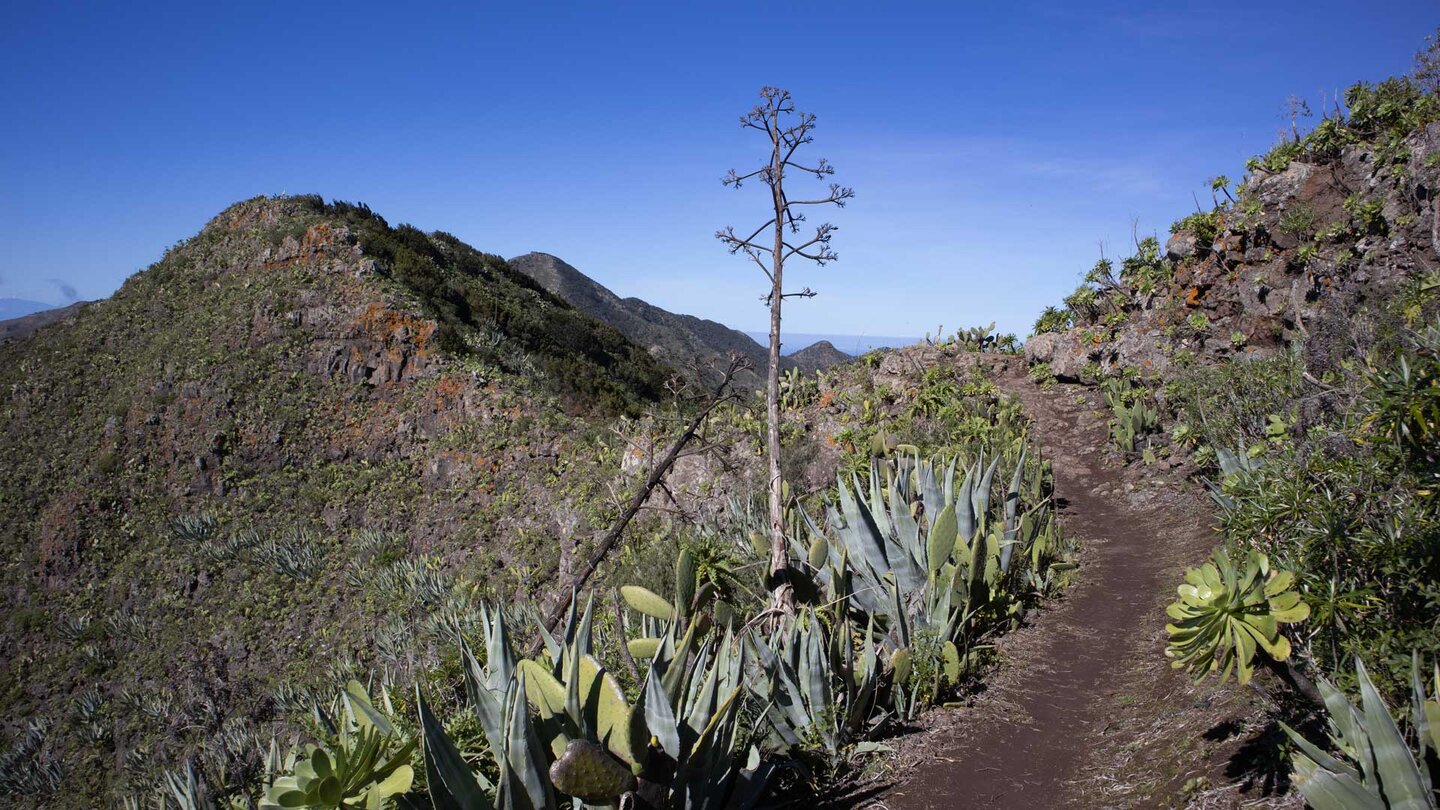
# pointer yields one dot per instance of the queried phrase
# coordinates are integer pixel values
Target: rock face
(1062, 351)
(1181, 246)
(684, 342)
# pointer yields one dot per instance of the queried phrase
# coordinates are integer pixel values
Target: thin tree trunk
(779, 579)
(1295, 679)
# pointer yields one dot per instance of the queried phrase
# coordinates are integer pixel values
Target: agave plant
(365, 762)
(933, 557)
(816, 686)
(1226, 613)
(496, 692)
(680, 737)
(1375, 768)
(678, 745)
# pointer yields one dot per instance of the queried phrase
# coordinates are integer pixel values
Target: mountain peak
(685, 342)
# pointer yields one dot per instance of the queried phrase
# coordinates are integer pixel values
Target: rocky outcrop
(304, 374)
(1308, 239)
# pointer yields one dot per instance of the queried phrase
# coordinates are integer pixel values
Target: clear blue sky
(992, 146)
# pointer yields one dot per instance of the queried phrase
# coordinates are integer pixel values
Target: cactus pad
(590, 774)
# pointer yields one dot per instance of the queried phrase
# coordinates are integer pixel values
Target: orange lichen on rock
(1192, 297)
(388, 324)
(448, 390)
(317, 236)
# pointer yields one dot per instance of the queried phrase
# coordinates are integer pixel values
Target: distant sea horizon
(853, 345)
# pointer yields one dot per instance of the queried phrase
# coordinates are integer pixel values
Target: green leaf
(943, 534)
(1399, 774)
(648, 602)
(452, 784)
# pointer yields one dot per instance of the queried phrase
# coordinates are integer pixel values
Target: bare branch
(733, 179)
(637, 500)
(838, 196)
(735, 244)
(822, 167)
(788, 131)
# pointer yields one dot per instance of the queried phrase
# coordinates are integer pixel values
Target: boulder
(1142, 351)
(1273, 190)
(1063, 351)
(1182, 245)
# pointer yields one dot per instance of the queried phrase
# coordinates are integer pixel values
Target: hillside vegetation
(1285, 347)
(307, 448)
(282, 516)
(305, 388)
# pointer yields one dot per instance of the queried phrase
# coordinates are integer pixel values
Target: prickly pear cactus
(685, 582)
(647, 602)
(819, 552)
(587, 772)
(950, 655)
(900, 662)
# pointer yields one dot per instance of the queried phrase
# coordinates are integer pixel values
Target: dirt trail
(1040, 735)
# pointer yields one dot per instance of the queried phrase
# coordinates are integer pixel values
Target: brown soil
(1085, 710)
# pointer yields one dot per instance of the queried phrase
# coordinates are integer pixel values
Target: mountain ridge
(189, 467)
(687, 342)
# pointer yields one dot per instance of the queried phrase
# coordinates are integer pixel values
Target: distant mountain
(20, 307)
(818, 356)
(15, 327)
(852, 345)
(682, 341)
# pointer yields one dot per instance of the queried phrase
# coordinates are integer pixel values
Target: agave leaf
(673, 676)
(1325, 790)
(981, 496)
(944, 531)
(905, 526)
(659, 717)
(525, 759)
(965, 506)
(489, 706)
(1399, 774)
(452, 784)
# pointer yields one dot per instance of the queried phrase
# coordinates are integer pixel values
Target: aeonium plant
(1227, 612)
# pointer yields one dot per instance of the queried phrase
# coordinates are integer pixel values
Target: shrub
(1366, 213)
(1146, 269)
(1351, 511)
(1205, 225)
(1053, 320)
(1299, 220)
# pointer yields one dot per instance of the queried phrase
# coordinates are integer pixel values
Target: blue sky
(993, 146)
